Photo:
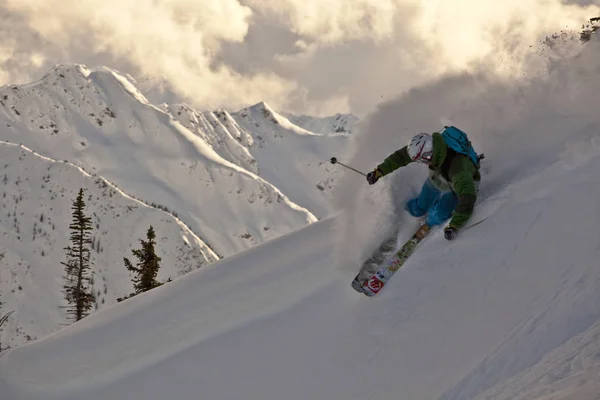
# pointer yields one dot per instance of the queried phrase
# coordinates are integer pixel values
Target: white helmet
(420, 148)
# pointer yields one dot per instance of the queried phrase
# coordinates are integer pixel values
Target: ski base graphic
(374, 284)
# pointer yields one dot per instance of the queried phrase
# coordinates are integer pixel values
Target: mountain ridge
(97, 122)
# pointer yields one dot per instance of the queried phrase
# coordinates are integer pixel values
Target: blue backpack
(458, 141)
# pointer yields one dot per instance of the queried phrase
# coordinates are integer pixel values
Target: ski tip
(361, 289)
(357, 286)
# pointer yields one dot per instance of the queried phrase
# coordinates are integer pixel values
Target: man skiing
(451, 189)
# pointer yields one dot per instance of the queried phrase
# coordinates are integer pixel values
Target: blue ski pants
(432, 201)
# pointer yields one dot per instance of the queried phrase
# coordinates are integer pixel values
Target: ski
(375, 283)
(373, 263)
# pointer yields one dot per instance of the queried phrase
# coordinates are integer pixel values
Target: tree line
(77, 288)
(78, 280)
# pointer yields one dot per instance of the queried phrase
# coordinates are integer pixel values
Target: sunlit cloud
(299, 55)
(336, 20)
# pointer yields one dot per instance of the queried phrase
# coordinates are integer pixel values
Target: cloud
(336, 20)
(299, 55)
(522, 127)
(416, 43)
(172, 40)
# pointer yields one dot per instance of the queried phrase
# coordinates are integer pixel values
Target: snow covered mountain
(273, 322)
(339, 123)
(98, 120)
(37, 195)
(509, 310)
(259, 139)
(209, 176)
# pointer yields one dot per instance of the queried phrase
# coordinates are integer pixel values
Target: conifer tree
(146, 269)
(77, 267)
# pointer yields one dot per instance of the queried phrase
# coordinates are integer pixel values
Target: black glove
(374, 176)
(450, 232)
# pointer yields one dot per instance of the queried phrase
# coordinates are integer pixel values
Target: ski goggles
(425, 158)
(423, 155)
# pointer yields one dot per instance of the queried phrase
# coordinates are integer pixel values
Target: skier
(451, 189)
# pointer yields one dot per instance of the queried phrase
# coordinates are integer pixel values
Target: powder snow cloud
(302, 55)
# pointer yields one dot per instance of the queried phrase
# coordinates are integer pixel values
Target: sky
(303, 56)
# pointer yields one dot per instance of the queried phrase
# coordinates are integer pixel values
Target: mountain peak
(262, 106)
(67, 69)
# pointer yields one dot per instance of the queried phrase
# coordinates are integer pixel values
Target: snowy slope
(509, 309)
(98, 120)
(570, 372)
(37, 196)
(257, 138)
(293, 158)
(275, 322)
(220, 131)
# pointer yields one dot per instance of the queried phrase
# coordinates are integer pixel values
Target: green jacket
(448, 170)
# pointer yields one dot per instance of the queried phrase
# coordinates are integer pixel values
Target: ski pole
(335, 161)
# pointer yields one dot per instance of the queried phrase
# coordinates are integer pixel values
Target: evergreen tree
(77, 267)
(146, 269)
